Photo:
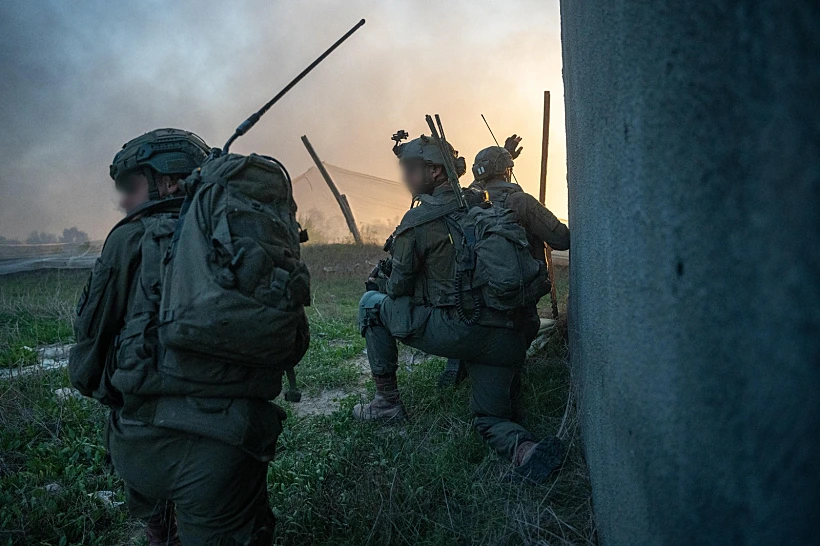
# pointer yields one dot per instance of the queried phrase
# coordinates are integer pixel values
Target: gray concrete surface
(693, 134)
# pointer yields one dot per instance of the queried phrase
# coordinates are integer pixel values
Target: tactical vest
(498, 191)
(494, 270)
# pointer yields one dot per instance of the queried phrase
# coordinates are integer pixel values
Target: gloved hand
(377, 284)
(511, 145)
(378, 277)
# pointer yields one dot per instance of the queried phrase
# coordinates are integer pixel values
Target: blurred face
(419, 177)
(133, 190)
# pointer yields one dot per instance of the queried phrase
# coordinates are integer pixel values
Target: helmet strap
(153, 190)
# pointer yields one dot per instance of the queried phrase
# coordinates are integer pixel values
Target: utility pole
(340, 198)
(542, 196)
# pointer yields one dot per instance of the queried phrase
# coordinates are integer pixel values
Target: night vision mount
(400, 135)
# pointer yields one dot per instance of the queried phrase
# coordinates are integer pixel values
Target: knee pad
(369, 310)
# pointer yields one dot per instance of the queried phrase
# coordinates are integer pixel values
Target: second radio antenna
(496, 141)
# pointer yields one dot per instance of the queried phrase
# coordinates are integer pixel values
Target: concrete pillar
(693, 134)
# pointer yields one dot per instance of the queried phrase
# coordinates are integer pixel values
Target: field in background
(335, 480)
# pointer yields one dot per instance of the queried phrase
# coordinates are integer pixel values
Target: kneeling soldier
(420, 309)
(492, 170)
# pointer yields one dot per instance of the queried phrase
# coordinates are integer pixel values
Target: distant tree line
(70, 235)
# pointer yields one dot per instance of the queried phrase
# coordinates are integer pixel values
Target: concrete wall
(693, 133)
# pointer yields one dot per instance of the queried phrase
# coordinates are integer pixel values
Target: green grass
(35, 310)
(335, 480)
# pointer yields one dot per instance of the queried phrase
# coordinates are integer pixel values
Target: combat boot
(454, 373)
(534, 462)
(386, 404)
(161, 529)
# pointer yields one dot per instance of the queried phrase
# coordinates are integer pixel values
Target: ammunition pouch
(250, 424)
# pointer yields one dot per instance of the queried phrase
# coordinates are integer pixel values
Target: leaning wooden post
(340, 199)
(542, 195)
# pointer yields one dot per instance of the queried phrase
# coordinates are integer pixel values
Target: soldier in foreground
(492, 171)
(216, 486)
(419, 306)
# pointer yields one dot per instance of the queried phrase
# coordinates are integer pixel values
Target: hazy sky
(79, 79)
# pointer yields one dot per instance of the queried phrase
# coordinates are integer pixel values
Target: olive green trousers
(219, 491)
(493, 355)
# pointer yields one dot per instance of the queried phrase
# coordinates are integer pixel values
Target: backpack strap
(293, 394)
(503, 184)
(149, 207)
(172, 204)
(427, 211)
(193, 183)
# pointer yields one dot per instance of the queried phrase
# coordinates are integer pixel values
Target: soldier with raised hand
(492, 170)
(419, 308)
(214, 490)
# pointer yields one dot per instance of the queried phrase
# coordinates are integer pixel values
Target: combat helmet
(491, 162)
(161, 151)
(426, 149)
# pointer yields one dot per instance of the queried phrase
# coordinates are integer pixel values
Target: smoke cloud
(78, 79)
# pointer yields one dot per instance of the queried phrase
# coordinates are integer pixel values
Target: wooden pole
(545, 149)
(542, 196)
(340, 199)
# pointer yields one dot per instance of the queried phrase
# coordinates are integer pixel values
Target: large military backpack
(235, 288)
(494, 264)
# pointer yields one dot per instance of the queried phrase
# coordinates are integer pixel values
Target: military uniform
(424, 306)
(419, 310)
(101, 313)
(197, 447)
(492, 169)
(541, 225)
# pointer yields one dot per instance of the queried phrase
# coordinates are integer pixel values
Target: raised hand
(511, 145)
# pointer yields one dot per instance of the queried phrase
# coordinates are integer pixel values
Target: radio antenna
(496, 142)
(251, 121)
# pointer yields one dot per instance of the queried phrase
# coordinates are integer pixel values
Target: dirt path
(328, 401)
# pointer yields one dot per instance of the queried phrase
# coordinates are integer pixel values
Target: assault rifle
(449, 160)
